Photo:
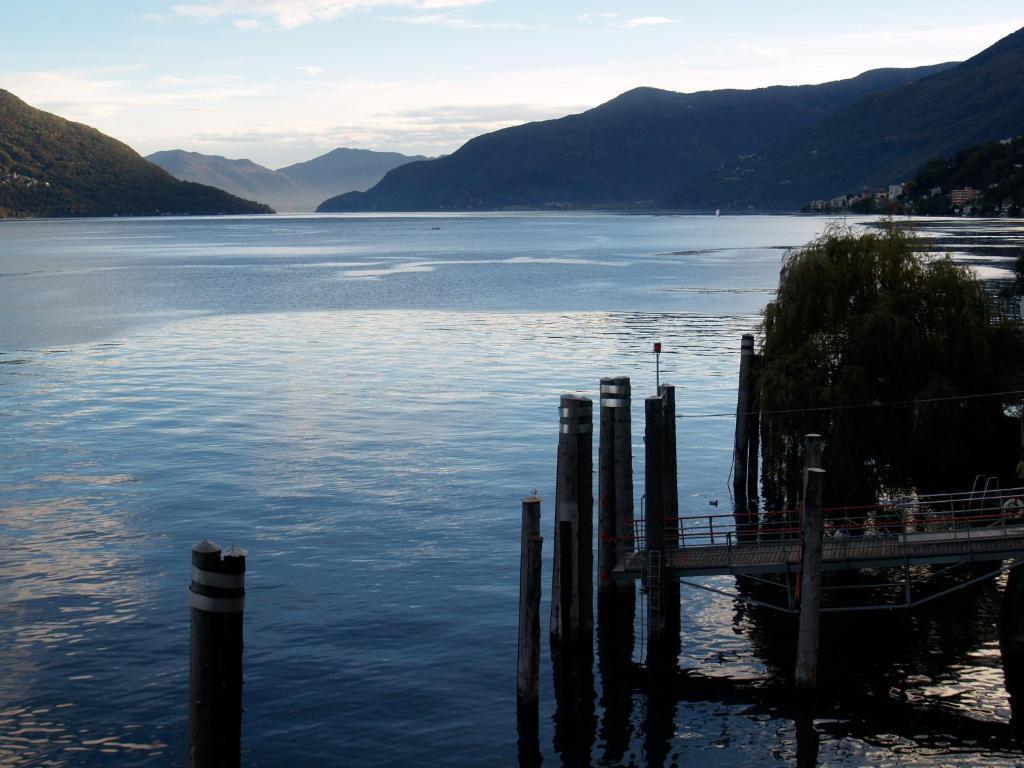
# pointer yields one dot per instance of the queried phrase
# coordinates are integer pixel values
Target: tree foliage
(864, 319)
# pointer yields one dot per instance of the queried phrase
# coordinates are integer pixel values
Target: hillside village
(987, 180)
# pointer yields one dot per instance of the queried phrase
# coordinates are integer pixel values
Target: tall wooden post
(616, 599)
(743, 408)
(654, 518)
(217, 600)
(531, 543)
(670, 466)
(753, 440)
(662, 513)
(670, 609)
(615, 476)
(572, 613)
(812, 529)
(1011, 640)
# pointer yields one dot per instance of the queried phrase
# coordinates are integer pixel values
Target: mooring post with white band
(217, 600)
(572, 591)
(615, 477)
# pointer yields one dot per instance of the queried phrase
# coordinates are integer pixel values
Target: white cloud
(312, 71)
(289, 14)
(429, 4)
(198, 11)
(590, 18)
(457, 22)
(648, 21)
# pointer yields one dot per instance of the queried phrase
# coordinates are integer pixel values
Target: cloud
(93, 97)
(457, 22)
(431, 4)
(290, 14)
(648, 21)
(198, 11)
(312, 71)
(590, 18)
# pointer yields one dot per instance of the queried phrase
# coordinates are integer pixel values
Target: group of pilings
(571, 619)
(619, 535)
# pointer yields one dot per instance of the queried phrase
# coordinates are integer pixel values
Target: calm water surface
(361, 402)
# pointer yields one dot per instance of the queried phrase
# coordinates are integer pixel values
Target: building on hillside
(896, 190)
(963, 195)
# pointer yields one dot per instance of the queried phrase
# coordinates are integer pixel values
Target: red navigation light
(657, 347)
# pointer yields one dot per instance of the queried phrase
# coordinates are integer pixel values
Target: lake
(361, 402)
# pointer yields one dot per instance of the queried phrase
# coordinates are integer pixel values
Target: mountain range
(883, 138)
(299, 187)
(765, 149)
(50, 166)
(768, 149)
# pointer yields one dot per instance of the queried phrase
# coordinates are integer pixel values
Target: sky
(281, 81)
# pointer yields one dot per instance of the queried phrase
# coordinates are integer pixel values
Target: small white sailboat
(718, 211)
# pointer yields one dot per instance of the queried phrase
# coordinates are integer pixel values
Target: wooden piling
(812, 529)
(217, 600)
(572, 591)
(753, 441)
(615, 476)
(743, 407)
(1011, 641)
(531, 544)
(654, 512)
(670, 610)
(662, 512)
(670, 466)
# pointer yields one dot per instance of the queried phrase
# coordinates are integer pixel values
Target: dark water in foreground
(361, 402)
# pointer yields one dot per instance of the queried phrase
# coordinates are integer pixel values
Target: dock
(896, 554)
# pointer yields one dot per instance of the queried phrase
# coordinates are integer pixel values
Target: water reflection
(924, 683)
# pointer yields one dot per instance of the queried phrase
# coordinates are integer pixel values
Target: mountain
(632, 151)
(299, 187)
(883, 138)
(54, 167)
(344, 170)
(239, 177)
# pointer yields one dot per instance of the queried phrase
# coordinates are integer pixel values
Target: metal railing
(901, 518)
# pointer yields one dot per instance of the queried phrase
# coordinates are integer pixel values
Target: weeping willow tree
(877, 348)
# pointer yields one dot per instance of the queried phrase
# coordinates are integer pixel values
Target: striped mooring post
(572, 579)
(615, 478)
(217, 600)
